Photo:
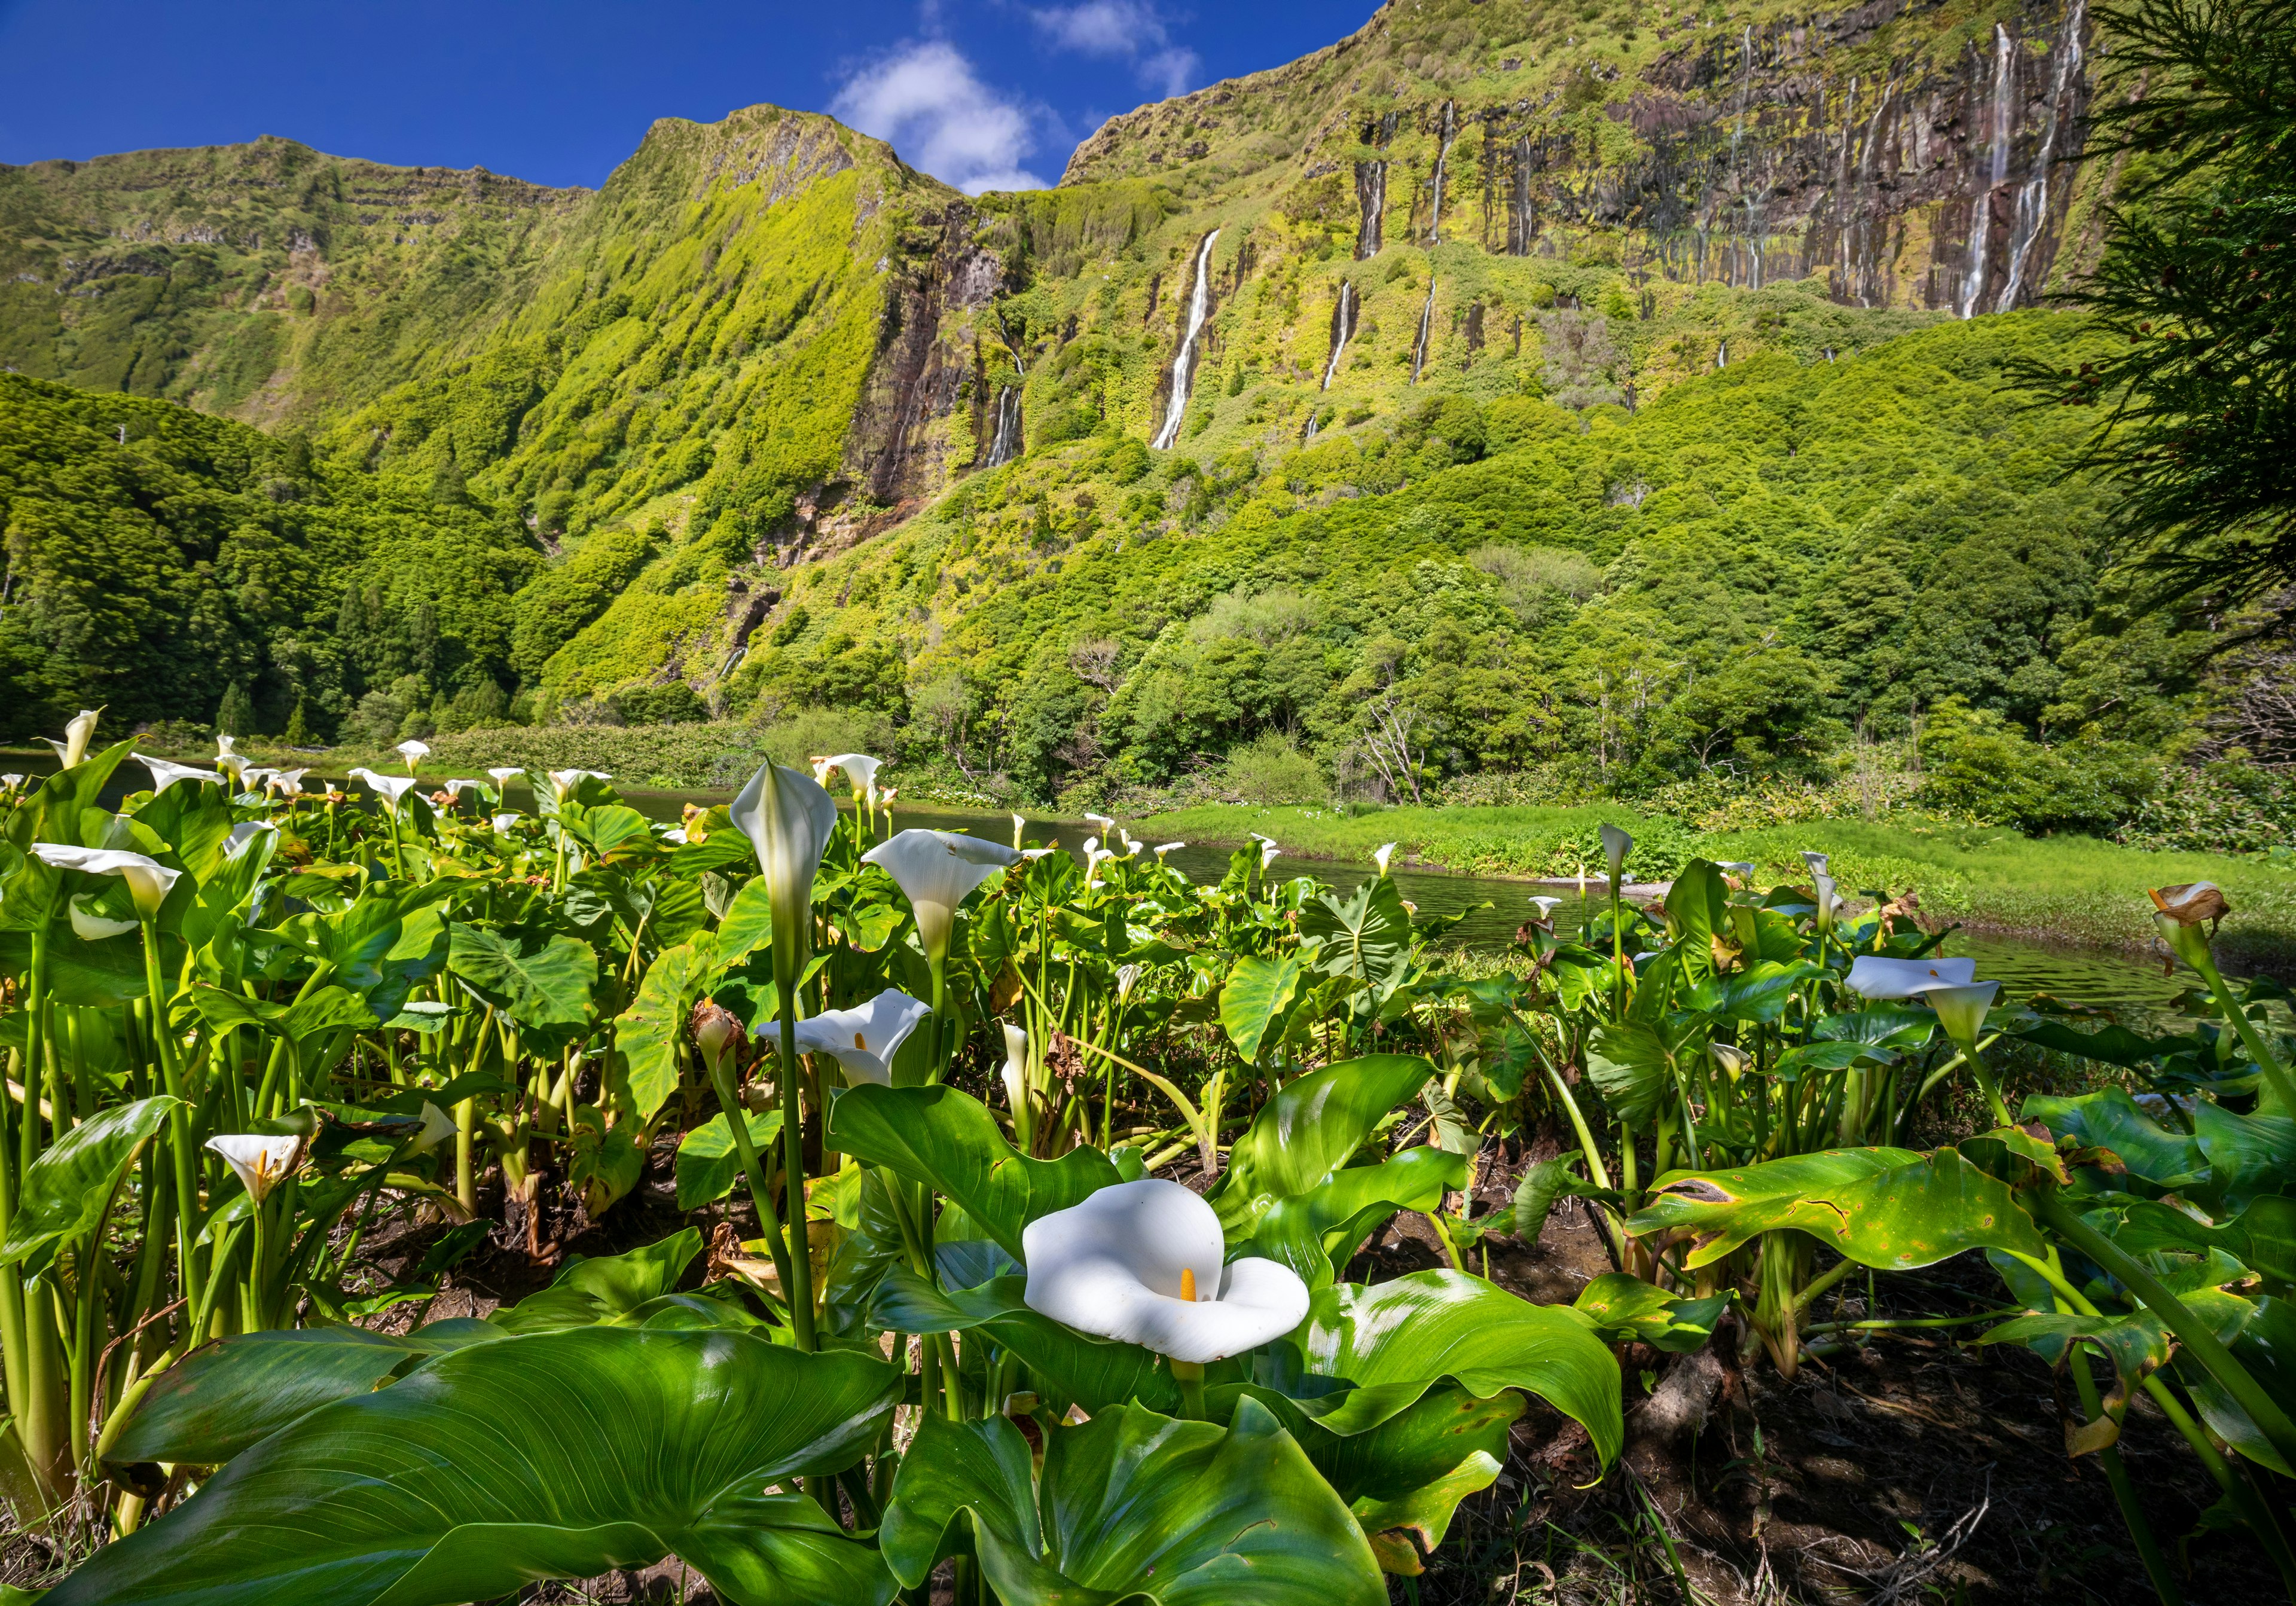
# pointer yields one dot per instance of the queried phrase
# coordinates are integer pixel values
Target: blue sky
(983, 93)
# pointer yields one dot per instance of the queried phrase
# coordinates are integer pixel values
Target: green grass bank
(2066, 888)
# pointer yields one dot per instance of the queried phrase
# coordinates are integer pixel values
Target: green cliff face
(791, 425)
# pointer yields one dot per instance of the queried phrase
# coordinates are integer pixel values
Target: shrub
(1271, 769)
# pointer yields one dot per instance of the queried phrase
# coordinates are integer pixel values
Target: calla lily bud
(148, 882)
(716, 1029)
(938, 870)
(79, 730)
(1141, 1262)
(436, 1128)
(1616, 845)
(789, 821)
(1961, 1010)
(1381, 855)
(1828, 901)
(1736, 1061)
(1020, 823)
(261, 1163)
(1128, 976)
(1016, 1070)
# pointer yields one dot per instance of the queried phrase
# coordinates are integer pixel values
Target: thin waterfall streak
(2033, 196)
(1426, 323)
(1004, 445)
(1184, 366)
(1371, 198)
(1980, 237)
(1448, 130)
(1343, 329)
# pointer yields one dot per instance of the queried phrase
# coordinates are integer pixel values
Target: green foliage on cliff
(161, 560)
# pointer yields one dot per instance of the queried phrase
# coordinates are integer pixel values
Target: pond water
(1490, 908)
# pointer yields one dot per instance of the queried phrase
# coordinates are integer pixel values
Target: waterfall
(2033, 195)
(1184, 366)
(1447, 130)
(1343, 330)
(1519, 220)
(1004, 445)
(1997, 169)
(1371, 199)
(1426, 322)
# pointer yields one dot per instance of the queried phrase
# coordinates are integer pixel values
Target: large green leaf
(554, 1456)
(2111, 1119)
(329, 1008)
(1405, 1478)
(602, 1290)
(1257, 991)
(1893, 1208)
(1758, 994)
(66, 1191)
(1318, 1232)
(1632, 1064)
(535, 983)
(1697, 907)
(1625, 1309)
(226, 1398)
(1095, 1373)
(1365, 938)
(1310, 1130)
(1395, 1341)
(1131, 1506)
(2248, 1155)
(707, 1162)
(647, 1034)
(89, 974)
(949, 1140)
(2262, 1237)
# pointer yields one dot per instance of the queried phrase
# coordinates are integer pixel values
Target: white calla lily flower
(1164, 847)
(390, 788)
(1102, 823)
(11, 782)
(453, 789)
(503, 776)
(1140, 1262)
(1616, 845)
(1961, 1010)
(287, 783)
(261, 1163)
(89, 926)
(1381, 854)
(1871, 976)
(938, 870)
(1828, 901)
(412, 752)
(1820, 864)
(256, 777)
(1020, 823)
(78, 732)
(821, 770)
(1033, 854)
(148, 882)
(1547, 906)
(865, 1039)
(503, 820)
(1741, 868)
(1094, 859)
(1016, 1070)
(860, 770)
(1268, 854)
(244, 832)
(563, 782)
(166, 772)
(789, 821)
(1128, 976)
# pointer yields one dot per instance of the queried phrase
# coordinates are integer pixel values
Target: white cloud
(1124, 30)
(927, 102)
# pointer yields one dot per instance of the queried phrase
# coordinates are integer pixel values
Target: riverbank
(1988, 878)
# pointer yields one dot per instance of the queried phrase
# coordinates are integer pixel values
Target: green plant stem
(179, 1118)
(2124, 1493)
(2235, 1488)
(798, 1283)
(2199, 1341)
(1190, 1376)
(2268, 1063)
(737, 1123)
